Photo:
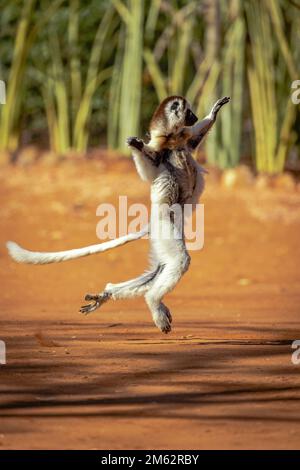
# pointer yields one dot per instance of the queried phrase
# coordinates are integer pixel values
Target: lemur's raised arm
(197, 132)
(184, 133)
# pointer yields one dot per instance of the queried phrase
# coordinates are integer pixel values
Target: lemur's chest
(177, 180)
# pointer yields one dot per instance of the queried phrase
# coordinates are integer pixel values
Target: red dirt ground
(222, 379)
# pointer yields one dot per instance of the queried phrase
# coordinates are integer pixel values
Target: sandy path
(222, 379)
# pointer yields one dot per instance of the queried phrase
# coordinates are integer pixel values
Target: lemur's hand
(135, 143)
(218, 105)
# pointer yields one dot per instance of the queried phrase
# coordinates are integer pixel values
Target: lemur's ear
(175, 106)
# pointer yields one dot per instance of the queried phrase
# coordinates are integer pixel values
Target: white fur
(21, 255)
(170, 259)
(146, 170)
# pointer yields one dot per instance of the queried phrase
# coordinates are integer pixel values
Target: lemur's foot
(135, 143)
(218, 105)
(168, 314)
(163, 319)
(98, 300)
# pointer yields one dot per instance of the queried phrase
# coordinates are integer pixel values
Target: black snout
(190, 118)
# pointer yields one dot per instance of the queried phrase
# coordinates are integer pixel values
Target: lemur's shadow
(201, 372)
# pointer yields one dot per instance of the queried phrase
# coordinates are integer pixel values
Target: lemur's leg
(145, 159)
(199, 130)
(97, 301)
(175, 261)
(145, 162)
(124, 290)
(171, 261)
(134, 287)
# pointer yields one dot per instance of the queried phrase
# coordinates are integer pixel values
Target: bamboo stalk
(75, 65)
(25, 36)
(157, 76)
(131, 82)
(61, 96)
(277, 21)
(181, 57)
(271, 136)
(10, 112)
(114, 96)
(285, 135)
(152, 18)
(93, 80)
(230, 120)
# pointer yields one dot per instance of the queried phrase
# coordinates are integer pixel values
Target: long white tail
(21, 255)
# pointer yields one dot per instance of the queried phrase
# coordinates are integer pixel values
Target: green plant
(225, 147)
(68, 94)
(77, 71)
(273, 112)
(25, 35)
(127, 78)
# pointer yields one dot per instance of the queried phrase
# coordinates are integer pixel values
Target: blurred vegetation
(83, 72)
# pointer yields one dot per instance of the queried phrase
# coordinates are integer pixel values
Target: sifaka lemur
(176, 179)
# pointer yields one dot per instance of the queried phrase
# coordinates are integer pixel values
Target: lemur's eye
(175, 106)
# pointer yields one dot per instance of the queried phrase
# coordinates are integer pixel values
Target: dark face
(190, 118)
